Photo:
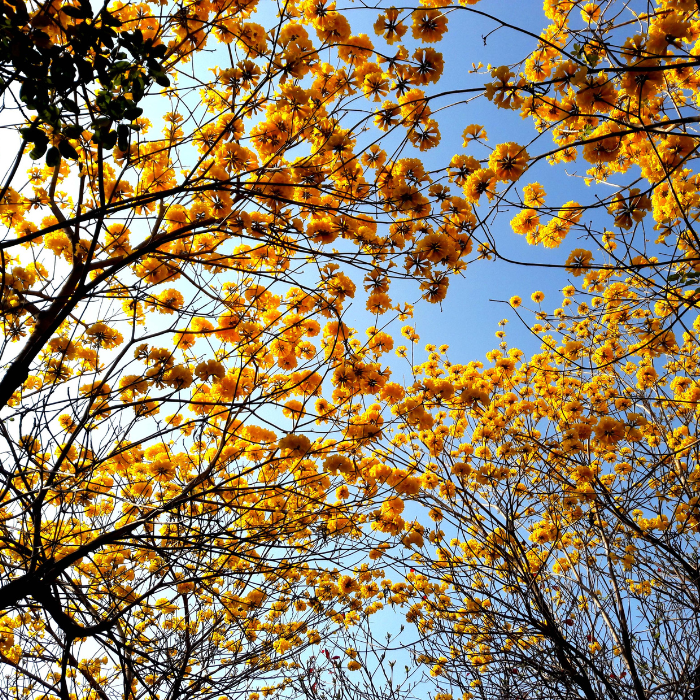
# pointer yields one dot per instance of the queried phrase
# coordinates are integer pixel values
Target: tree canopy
(214, 485)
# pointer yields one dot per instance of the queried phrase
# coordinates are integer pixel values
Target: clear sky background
(468, 318)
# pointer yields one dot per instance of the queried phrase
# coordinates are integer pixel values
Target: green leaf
(133, 113)
(37, 151)
(162, 80)
(67, 151)
(123, 137)
(71, 105)
(110, 20)
(76, 12)
(53, 157)
(72, 131)
(109, 140)
(159, 51)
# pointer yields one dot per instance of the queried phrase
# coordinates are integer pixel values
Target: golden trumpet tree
(204, 465)
(564, 486)
(176, 363)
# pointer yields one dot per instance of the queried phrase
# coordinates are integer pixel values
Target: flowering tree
(174, 277)
(204, 465)
(564, 485)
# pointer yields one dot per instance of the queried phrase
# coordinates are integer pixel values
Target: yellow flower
(533, 195)
(609, 431)
(392, 507)
(67, 423)
(508, 161)
(294, 445)
(579, 259)
(646, 377)
(474, 132)
(590, 12)
(410, 333)
(58, 243)
(429, 25)
(102, 336)
(170, 300)
(162, 469)
(525, 222)
(480, 182)
(347, 585)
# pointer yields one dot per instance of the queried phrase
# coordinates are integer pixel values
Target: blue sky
(468, 318)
